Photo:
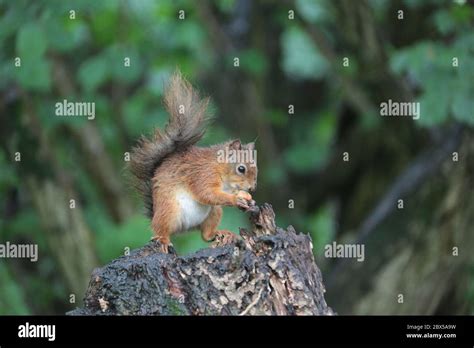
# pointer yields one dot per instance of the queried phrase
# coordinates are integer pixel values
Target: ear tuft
(235, 144)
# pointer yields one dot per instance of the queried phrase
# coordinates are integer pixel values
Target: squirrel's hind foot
(166, 246)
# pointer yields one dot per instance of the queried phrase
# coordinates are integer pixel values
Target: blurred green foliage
(446, 90)
(301, 58)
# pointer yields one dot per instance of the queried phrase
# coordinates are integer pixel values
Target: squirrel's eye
(241, 169)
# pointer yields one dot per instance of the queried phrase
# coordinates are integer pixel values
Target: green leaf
(447, 90)
(434, 107)
(64, 37)
(34, 74)
(313, 11)
(300, 57)
(444, 22)
(463, 105)
(190, 34)
(463, 95)
(31, 42)
(93, 73)
(417, 59)
(104, 27)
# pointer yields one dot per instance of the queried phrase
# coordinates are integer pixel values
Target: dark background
(423, 251)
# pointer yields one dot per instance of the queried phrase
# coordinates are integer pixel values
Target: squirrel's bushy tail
(186, 126)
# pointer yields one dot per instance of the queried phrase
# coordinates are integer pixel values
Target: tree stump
(271, 271)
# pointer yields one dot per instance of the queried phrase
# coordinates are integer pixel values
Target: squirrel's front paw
(244, 195)
(242, 204)
(244, 200)
(224, 237)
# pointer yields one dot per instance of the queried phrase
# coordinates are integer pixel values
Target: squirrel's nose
(253, 188)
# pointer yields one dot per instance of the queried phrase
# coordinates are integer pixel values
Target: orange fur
(198, 173)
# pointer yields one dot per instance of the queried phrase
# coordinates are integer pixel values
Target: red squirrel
(185, 186)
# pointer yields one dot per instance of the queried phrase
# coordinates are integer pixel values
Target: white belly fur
(192, 213)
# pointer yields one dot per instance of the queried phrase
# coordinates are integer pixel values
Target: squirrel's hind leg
(210, 232)
(210, 224)
(163, 224)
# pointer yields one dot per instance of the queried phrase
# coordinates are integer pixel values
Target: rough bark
(270, 271)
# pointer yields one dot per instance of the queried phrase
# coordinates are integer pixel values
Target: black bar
(264, 330)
